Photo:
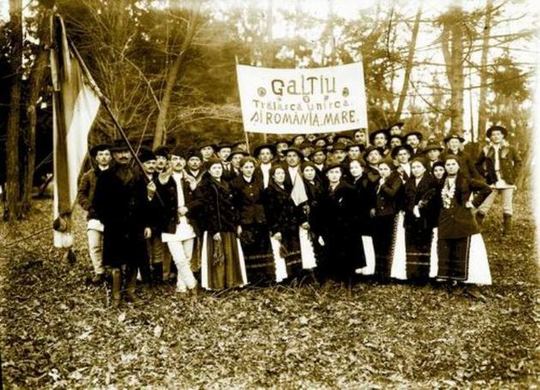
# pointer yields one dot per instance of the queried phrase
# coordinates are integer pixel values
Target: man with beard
(122, 203)
(194, 166)
(87, 187)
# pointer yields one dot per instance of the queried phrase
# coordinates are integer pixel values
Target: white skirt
(281, 266)
(369, 252)
(306, 249)
(434, 257)
(478, 272)
(399, 254)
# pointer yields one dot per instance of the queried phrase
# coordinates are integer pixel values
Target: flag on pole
(75, 106)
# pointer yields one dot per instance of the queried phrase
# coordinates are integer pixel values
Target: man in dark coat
(121, 202)
(454, 146)
(499, 163)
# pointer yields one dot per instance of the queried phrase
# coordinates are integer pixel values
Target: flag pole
(245, 132)
(105, 103)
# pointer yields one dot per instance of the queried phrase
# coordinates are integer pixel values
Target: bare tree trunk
(12, 146)
(160, 134)
(482, 106)
(37, 77)
(410, 59)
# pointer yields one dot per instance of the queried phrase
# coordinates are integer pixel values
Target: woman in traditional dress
(283, 218)
(341, 232)
(461, 251)
(254, 236)
(383, 212)
(222, 260)
(420, 190)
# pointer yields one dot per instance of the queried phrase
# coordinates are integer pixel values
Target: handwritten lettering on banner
(302, 100)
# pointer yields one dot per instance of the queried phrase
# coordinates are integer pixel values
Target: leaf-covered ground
(57, 330)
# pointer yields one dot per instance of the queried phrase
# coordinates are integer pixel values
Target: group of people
(388, 205)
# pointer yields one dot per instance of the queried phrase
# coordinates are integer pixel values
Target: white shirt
(293, 172)
(265, 169)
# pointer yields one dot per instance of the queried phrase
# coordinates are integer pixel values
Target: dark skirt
(453, 258)
(258, 256)
(383, 241)
(222, 262)
(290, 242)
(418, 247)
(344, 254)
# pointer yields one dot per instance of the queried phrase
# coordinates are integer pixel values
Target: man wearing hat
(413, 139)
(354, 151)
(174, 220)
(293, 158)
(395, 141)
(379, 139)
(433, 153)
(101, 154)
(281, 145)
(122, 203)
(343, 139)
(319, 159)
(223, 152)
(265, 154)
(499, 163)
(232, 170)
(373, 156)
(162, 158)
(360, 137)
(306, 148)
(207, 151)
(454, 146)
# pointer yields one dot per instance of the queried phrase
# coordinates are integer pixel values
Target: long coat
(386, 197)
(458, 221)
(121, 204)
(282, 215)
(341, 231)
(424, 192)
(214, 206)
(363, 187)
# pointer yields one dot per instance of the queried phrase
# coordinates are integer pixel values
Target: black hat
(194, 153)
(454, 135)
(339, 146)
(371, 148)
(119, 145)
(238, 143)
(333, 165)
(396, 150)
(437, 163)
(223, 145)
(305, 144)
(494, 128)
(395, 136)
(293, 149)
(380, 131)
(146, 154)
(178, 151)
(398, 124)
(258, 149)
(414, 132)
(432, 146)
(162, 151)
(99, 148)
(421, 160)
(208, 143)
(235, 152)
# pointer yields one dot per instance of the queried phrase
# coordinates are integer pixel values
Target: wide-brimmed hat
(433, 146)
(494, 128)
(258, 149)
(178, 151)
(119, 145)
(453, 135)
(379, 131)
(371, 148)
(146, 154)
(223, 145)
(339, 146)
(162, 151)
(332, 165)
(293, 149)
(99, 148)
(236, 152)
(397, 149)
(194, 153)
(414, 132)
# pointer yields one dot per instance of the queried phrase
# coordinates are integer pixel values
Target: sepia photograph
(252, 194)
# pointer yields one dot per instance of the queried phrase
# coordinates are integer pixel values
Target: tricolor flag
(75, 106)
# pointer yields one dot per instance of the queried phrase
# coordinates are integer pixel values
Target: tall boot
(480, 218)
(116, 286)
(507, 223)
(157, 273)
(131, 280)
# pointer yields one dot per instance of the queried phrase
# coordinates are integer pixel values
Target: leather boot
(131, 281)
(116, 287)
(480, 218)
(507, 223)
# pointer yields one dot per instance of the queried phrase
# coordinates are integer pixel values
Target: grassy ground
(58, 332)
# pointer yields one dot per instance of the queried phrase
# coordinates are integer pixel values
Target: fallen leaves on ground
(59, 331)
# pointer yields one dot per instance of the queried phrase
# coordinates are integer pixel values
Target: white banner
(300, 101)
